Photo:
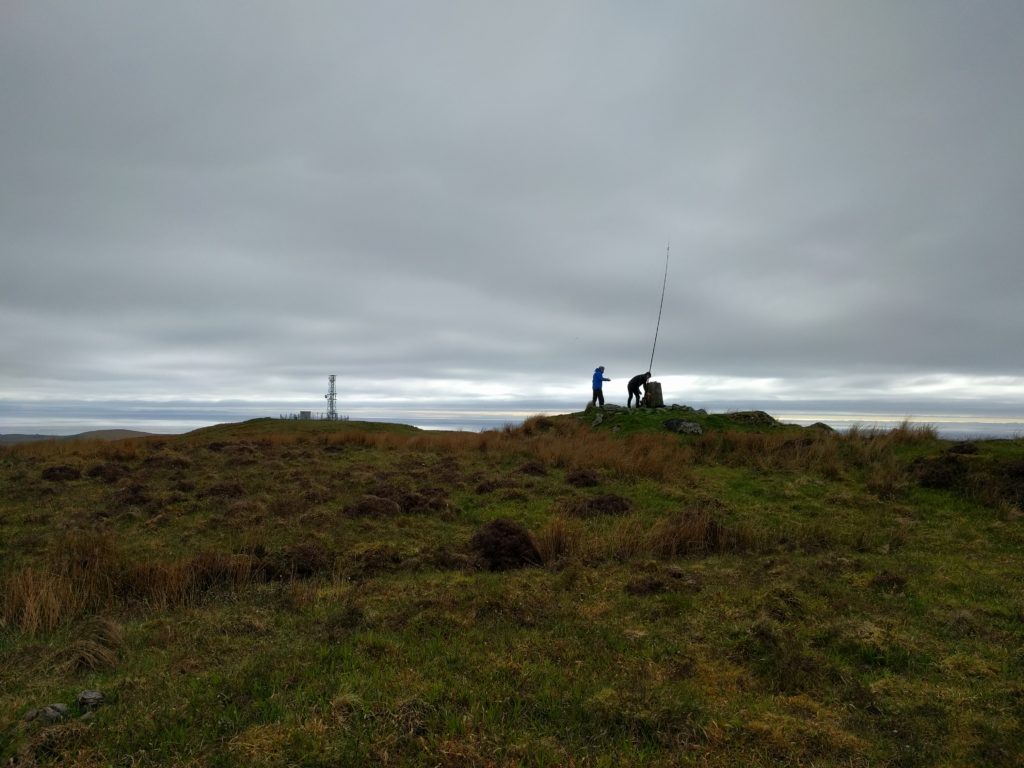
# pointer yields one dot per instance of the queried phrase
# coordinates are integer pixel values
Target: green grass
(304, 593)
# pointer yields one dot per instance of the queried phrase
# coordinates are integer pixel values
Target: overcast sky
(443, 201)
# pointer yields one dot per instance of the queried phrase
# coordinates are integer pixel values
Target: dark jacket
(640, 380)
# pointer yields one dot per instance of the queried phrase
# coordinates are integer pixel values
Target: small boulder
(50, 714)
(683, 427)
(89, 700)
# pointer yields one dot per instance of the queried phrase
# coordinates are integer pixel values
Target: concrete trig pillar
(652, 395)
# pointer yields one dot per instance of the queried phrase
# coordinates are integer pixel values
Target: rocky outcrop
(51, 713)
(683, 427)
(753, 418)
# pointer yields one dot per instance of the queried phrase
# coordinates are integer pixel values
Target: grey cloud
(201, 194)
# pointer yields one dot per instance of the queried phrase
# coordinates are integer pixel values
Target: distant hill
(96, 434)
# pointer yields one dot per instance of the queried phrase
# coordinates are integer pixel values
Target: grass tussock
(561, 538)
(96, 645)
(87, 574)
(695, 532)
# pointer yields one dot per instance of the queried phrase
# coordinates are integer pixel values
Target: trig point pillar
(652, 395)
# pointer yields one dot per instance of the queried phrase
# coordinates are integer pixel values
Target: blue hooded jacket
(599, 377)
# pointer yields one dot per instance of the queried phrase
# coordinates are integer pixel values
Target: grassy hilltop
(279, 593)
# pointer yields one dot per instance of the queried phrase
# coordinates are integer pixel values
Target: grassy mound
(562, 593)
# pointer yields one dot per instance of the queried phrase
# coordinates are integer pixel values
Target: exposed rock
(688, 409)
(88, 700)
(753, 418)
(683, 427)
(52, 713)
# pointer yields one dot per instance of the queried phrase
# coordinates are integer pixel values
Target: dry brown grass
(886, 478)
(96, 646)
(865, 446)
(768, 451)
(628, 539)
(87, 574)
(554, 443)
(561, 538)
(655, 457)
(695, 531)
(34, 601)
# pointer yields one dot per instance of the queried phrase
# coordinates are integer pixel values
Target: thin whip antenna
(664, 282)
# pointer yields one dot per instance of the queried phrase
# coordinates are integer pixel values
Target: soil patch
(503, 545)
(62, 472)
(582, 478)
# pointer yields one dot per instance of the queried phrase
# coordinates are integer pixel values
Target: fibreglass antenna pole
(664, 282)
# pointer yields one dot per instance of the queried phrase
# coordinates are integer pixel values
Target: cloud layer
(434, 201)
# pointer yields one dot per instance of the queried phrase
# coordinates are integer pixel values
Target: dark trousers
(634, 393)
(598, 397)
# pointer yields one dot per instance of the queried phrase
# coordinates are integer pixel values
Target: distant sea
(952, 422)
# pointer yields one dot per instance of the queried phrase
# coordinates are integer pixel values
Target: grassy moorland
(281, 593)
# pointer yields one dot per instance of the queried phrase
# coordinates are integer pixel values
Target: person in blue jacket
(599, 378)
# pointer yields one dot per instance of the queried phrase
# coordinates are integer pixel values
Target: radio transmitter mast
(332, 399)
